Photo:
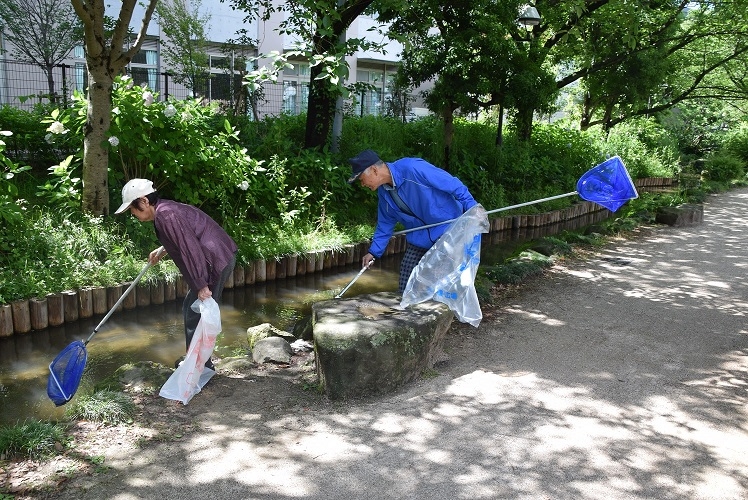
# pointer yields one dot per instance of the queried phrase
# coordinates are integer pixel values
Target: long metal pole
(121, 298)
(489, 212)
(354, 279)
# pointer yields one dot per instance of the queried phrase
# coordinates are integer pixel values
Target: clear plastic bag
(191, 375)
(446, 273)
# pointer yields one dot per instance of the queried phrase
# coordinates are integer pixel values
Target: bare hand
(156, 255)
(367, 260)
(204, 293)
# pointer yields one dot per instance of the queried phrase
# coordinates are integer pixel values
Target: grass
(106, 406)
(31, 439)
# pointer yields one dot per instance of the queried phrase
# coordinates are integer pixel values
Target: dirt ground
(618, 373)
(257, 388)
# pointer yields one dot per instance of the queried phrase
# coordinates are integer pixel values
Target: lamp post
(528, 17)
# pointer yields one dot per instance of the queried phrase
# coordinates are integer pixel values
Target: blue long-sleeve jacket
(431, 193)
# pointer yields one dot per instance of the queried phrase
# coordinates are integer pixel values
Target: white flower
(170, 111)
(244, 185)
(186, 116)
(57, 128)
(113, 141)
(148, 97)
(49, 138)
(116, 110)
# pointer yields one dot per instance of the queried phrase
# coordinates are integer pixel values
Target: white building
(148, 67)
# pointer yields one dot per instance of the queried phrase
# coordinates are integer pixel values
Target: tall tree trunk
(95, 155)
(449, 133)
(51, 83)
(524, 122)
(320, 112)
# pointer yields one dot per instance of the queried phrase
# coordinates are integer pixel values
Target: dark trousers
(192, 318)
(412, 257)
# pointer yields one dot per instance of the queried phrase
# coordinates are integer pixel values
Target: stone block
(368, 345)
(683, 215)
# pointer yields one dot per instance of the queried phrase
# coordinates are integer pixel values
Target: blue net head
(65, 373)
(608, 184)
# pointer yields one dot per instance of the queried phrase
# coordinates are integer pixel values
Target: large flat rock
(368, 344)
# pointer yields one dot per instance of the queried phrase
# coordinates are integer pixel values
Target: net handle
(489, 212)
(122, 297)
(363, 269)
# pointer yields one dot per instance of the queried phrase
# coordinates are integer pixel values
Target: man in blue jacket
(415, 193)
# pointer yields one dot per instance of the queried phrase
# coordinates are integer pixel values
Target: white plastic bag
(446, 273)
(191, 375)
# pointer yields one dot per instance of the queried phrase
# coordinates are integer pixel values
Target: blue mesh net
(65, 373)
(608, 184)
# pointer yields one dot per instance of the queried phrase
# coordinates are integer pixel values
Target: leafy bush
(736, 143)
(28, 144)
(51, 251)
(645, 148)
(723, 166)
(10, 203)
(32, 439)
(190, 152)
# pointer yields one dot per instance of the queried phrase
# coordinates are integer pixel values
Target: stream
(156, 332)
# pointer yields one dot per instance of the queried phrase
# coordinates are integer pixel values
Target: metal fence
(24, 85)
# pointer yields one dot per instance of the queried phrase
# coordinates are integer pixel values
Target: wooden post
(239, 279)
(6, 320)
(113, 293)
(182, 287)
(85, 303)
(319, 260)
(157, 292)
(311, 265)
(143, 297)
(131, 301)
(55, 309)
(270, 269)
(291, 264)
(21, 316)
(38, 312)
(249, 274)
(260, 270)
(98, 295)
(70, 305)
(170, 291)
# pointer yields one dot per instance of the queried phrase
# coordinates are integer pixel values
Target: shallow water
(156, 333)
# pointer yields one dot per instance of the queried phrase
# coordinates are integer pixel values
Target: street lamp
(529, 16)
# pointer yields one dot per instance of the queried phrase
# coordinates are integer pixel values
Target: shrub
(645, 147)
(736, 144)
(106, 406)
(722, 166)
(31, 439)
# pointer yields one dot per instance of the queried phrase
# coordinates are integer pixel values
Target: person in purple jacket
(414, 193)
(204, 253)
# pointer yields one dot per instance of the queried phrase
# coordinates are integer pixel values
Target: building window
(296, 88)
(144, 68)
(371, 100)
(80, 73)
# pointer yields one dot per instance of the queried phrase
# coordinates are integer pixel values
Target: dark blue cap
(361, 162)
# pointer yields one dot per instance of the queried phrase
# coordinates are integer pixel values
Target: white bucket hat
(134, 189)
